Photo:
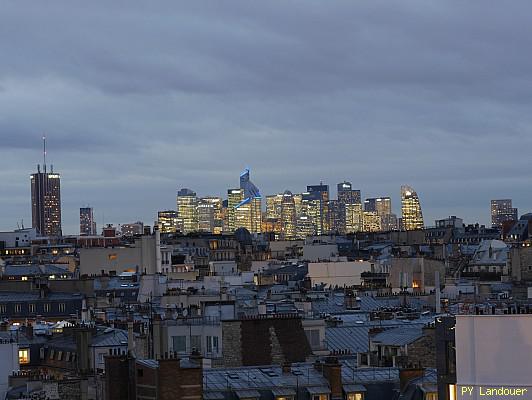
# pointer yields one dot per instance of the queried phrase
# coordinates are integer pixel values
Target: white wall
(494, 350)
(337, 273)
(22, 237)
(8, 364)
(223, 268)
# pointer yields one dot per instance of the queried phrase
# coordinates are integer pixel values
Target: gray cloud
(139, 99)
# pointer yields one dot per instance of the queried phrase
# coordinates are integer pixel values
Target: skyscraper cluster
(290, 215)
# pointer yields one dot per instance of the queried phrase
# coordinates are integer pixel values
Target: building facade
(502, 211)
(46, 202)
(167, 221)
(187, 209)
(87, 224)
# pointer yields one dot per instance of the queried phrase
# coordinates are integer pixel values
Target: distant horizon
(396, 205)
(139, 101)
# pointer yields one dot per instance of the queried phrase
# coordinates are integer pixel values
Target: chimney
(350, 300)
(407, 374)
(332, 371)
(158, 262)
(83, 336)
(286, 368)
(29, 331)
(130, 338)
(84, 311)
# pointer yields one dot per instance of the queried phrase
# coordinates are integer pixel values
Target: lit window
(24, 278)
(452, 392)
(23, 356)
(355, 396)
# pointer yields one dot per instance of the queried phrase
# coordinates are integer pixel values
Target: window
(431, 396)
(3, 309)
(355, 396)
(140, 372)
(24, 356)
(31, 307)
(320, 397)
(112, 256)
(212, 344)
(47, 307)
(179, 343)
(195, 342)
(18, 308)
(62, 307)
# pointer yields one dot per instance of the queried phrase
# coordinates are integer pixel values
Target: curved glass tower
(411, 209)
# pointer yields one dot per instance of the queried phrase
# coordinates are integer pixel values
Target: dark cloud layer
(140, 98)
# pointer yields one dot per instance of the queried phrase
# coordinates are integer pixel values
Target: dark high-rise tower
(87, 224)
(46, 200)
(501, 212)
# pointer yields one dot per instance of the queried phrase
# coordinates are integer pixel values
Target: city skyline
(380, 96)
(396, 209)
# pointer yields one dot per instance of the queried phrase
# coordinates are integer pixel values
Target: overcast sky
(138, 99)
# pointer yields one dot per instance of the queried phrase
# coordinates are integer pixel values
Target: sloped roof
(398, 336)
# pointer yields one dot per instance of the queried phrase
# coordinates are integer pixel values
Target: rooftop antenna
(44, 151)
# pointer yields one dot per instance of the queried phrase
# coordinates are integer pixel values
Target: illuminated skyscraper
(273, 206)
(205, 216)
(346, 195)
(298, 198)
(46, 200)
(353, 218)
(412, 216)
(311, 207)
(132, 229)
(234, 198)
(250, 190)
(336, 216)
(306, 218)
(214, 204)
(288, 217)
(383, 207)
(87, 224)
(167, 221)
(371, 221)
(321, 193)
(248, 212)
(502, 211)
(187, 210)
(389, 222)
